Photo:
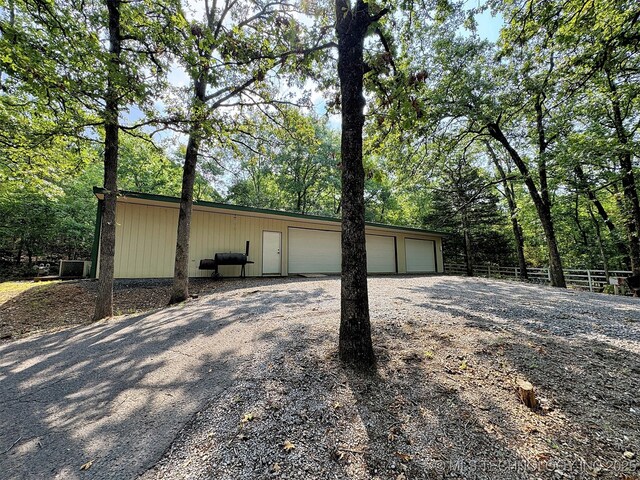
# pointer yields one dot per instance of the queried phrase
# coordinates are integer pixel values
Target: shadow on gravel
(581, 352)
(537, 309)
(52, 306)
(437, 422)
(442, 403)
(421, 428)
(402, 422)
(117, 392)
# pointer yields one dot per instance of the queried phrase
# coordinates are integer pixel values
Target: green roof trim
(240, 208)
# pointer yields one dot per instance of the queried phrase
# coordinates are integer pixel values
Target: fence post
(549, 274)
(590, 282)
(516, 270)
(488, 270)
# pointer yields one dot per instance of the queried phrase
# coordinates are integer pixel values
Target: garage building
(280, 243)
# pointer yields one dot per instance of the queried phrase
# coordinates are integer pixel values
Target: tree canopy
(524, 148)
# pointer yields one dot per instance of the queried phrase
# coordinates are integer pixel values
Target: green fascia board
(240, 208)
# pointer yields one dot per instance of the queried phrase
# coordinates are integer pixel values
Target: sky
(489, 26)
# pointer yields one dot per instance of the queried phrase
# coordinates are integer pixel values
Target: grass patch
(9, 290)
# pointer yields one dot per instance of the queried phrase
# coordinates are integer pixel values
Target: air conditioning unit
(74, 268)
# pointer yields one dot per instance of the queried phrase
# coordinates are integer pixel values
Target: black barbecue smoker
(218, 259)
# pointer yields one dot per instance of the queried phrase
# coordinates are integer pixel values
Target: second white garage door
(420, 255)
(319, 251)
(314, 251)
(381, 254)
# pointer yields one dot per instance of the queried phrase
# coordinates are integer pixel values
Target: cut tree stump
(527, 394)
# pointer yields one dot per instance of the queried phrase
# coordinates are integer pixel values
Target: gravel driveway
(257, 363)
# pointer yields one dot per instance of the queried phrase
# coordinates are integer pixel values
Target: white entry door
(271, 257)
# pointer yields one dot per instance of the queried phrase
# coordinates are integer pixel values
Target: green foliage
(55, 218)
(432, 95)
(290, 165)
(548, 84)
(463, 202)
(145, 168)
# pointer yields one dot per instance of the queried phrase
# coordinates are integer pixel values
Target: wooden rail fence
(592, 280)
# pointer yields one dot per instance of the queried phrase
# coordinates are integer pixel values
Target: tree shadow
(442, 402)
(583, 358)
(117, 392)
(536, 308)
(54, 306)
(438, 420)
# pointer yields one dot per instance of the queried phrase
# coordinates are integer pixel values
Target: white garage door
(381, 254)
(314, 251)
(420, 255)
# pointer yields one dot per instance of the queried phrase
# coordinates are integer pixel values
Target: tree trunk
(632, 204)
(468, 253)
(104, 299)
(519, 236)
(542, 208)
(18, 257)
(513, 212)
(632, 212)
(180, 290)
(355, 344)
(576, 218)
(583, 184)
(555, 262)
(603, 256)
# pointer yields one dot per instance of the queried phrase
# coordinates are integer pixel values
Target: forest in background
(493, 143)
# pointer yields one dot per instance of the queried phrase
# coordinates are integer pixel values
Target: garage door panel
(320, 251)
(381, 254)
(314, 251)
(420, 255)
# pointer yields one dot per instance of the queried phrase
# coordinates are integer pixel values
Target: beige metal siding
(146, 238)
(145, 241)
(216, 233)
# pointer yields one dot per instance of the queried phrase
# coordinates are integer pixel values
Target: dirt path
(258, 364)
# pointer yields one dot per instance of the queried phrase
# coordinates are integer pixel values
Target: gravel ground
(112, 395)
(442, 401)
